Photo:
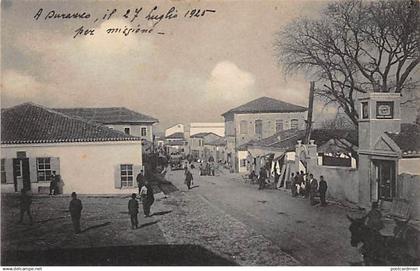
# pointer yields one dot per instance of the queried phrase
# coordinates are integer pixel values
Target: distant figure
(188, 179)
(54, 184)
(252, 176)
(140, 180)
(313, 188)
(75, 212)
(133, 210)
(25, 204)
(262, 178)
(322, 190)
(374, 218)
(147, 198)
(212, 168)
(293, 187)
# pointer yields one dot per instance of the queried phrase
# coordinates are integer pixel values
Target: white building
(177, 128)
(91, 158)
(217, 128)
(117, 118)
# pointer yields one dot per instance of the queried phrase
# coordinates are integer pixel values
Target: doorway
(384, 180)
(21, 176)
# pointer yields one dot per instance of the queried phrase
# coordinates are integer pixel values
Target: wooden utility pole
(310, 112)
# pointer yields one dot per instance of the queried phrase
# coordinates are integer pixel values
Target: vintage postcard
(210, 133)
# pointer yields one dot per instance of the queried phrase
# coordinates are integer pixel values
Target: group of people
(75, 206)
(307, 186)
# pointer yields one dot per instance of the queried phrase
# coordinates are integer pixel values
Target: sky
(188, 69)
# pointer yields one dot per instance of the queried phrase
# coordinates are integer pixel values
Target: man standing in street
(147, 198)
(53, 184)
(263, 176)
(133, 210)
(140, 180)
(75, 212)
(313, 188)
(25, 204)
(322, 190)
(188, 178)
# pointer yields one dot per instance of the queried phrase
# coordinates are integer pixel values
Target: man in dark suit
(322, 190)
(263, 176)
(25, 204)
(133, 210)
(313, 188)
(75, 212)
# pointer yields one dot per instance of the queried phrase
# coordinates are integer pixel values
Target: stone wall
(343, 182)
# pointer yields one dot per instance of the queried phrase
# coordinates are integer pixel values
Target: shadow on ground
(149, 255)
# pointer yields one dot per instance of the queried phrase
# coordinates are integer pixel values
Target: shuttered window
(126, 175)
(43, 169)
(3, 171)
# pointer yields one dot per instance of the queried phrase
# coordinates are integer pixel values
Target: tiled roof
(408, 139)
(177, 135)
(287, 139)
(176, 143)
(202, 135)
(30, 123)
(108, 115)
(266, 105)
(218, 142)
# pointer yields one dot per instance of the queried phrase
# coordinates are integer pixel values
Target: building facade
(258, 119)
(91, 159)
(198, 142)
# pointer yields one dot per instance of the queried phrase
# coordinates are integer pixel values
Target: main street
(314, 235)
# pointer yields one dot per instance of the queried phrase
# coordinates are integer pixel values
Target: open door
(385, 180)
(21, 174)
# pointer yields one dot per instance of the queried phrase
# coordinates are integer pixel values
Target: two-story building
(258, 119)
(117, 118)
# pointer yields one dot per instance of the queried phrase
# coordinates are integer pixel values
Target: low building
(176, 143)
(216, 149)
(91, 158)
(258, 119)
(197, 143)
(117, 118)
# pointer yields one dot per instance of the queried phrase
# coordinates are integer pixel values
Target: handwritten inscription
(140, 20)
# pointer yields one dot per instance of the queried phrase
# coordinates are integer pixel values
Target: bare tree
(355, 47)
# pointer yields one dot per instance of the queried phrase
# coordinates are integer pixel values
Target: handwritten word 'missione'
(52, 14)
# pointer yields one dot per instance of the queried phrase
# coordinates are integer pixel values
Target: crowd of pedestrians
(306, 186)
(146, 195)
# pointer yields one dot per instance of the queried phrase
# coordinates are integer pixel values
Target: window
(243, 162)
(3, 171)
(258, 127)
(294, 124)
(127, 130)
(126, 175)
(243, 127)
(43, 169)
(143, 131)
(365, 110)
(279, 125)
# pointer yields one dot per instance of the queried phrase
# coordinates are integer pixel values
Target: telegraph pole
(310, 112)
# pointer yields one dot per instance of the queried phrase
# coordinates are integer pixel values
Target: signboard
(384, 110)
